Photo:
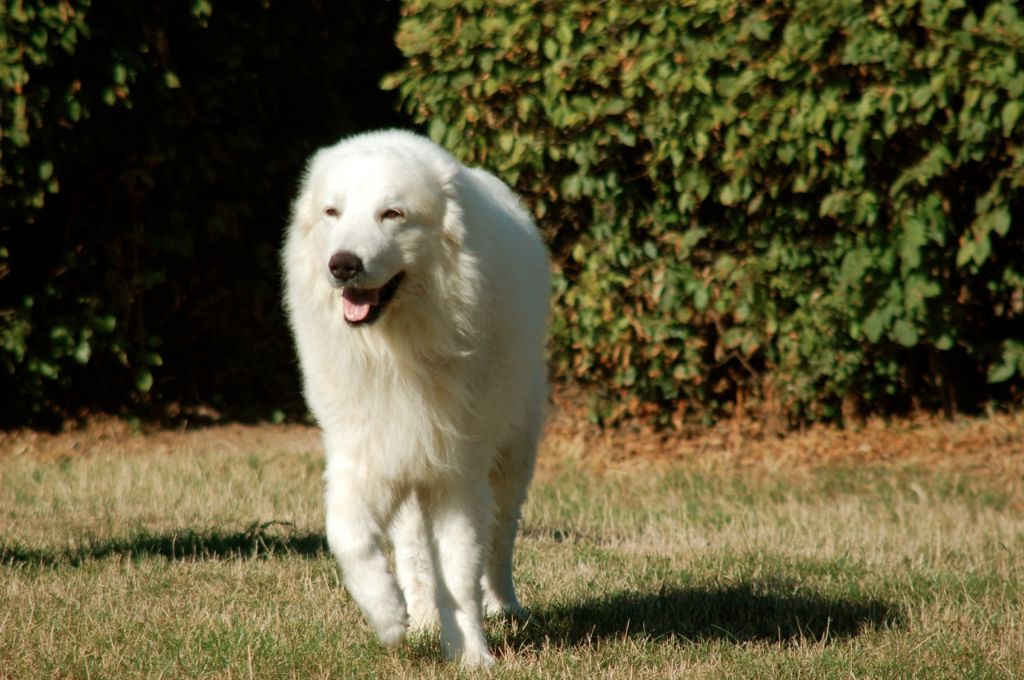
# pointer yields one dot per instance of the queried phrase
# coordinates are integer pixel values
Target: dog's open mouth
(365, 305)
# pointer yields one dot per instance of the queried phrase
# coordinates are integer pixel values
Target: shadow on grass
(258, 540)
(740, 613)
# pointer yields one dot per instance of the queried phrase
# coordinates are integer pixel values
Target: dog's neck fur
(422, 369)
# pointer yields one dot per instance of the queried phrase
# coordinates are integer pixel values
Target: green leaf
(105, 323)
(701, 298)
(904, 333)
(83, 351)
(436, 129)
(1011, 113)
(727, 195)
(1011, 362)
(143, 380)
(912, 238)
(1002, 371)
(202, 9)
(1001, 220)
(873, 326)
(965, 254)
(982, 249)
(920, 96)
(701, 82)
(866, 211)
(564, 31)
(550, 48)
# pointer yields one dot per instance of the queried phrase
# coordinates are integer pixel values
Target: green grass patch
(209, 563)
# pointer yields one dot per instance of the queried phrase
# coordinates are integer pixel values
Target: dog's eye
(391, 214)
(331, 212)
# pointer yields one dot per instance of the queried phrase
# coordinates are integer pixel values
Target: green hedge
(805, 206)
(148, 154)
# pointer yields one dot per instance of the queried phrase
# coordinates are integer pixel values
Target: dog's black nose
(345, 265)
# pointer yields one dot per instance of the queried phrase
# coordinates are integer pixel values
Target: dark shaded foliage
(149, 154)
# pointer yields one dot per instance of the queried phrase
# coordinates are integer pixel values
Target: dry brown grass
(994, 442)
(992, 446)
(892, 550)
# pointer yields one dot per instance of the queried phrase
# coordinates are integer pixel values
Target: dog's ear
(304, 210)
(453, 226)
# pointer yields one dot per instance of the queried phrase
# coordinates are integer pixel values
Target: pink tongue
(357, 303)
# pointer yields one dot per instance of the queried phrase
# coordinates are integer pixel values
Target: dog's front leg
(414, 565)
(355, 534)
(460, 520)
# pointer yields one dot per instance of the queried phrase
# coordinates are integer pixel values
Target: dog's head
(379, 208)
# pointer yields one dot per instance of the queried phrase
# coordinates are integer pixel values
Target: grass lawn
(890, 551)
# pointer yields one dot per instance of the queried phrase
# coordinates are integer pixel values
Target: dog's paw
(470, 651)
(477, 659)
(392, 635)
(505, 609)
(390, 623)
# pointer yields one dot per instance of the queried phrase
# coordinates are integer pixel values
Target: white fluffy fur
(431, 414)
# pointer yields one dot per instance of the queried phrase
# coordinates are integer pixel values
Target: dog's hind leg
(508, 483)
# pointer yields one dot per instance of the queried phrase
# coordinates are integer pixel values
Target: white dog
(418, 291)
